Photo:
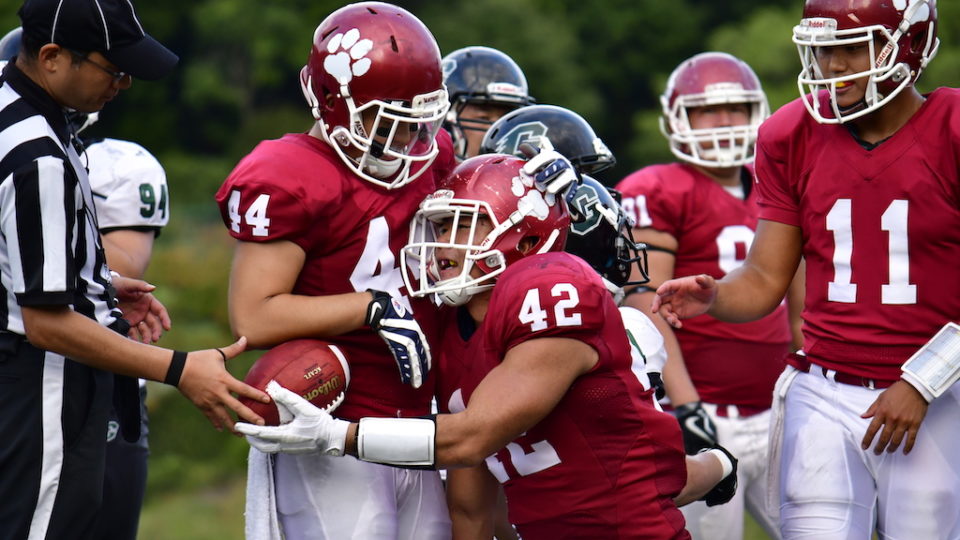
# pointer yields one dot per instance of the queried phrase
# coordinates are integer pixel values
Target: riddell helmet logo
(530, 132)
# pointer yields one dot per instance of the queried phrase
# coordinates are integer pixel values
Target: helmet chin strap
(381, 168)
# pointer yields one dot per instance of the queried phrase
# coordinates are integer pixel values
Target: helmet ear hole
(917, 43)
(526, 244)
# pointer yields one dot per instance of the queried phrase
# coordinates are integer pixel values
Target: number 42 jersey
(604, 463)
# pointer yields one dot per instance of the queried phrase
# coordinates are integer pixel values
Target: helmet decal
(350, 47)
(585, 201)
(529, 132)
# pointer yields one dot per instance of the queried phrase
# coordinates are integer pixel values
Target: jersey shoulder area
(654, 179)
(547, 269)
(113, 162)
(942, 107)
(785, 121)
(551, 294)
(297, 163)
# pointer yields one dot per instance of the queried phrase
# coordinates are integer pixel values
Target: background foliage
(237, 84)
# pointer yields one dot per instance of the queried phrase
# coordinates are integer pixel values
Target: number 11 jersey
(881, 230)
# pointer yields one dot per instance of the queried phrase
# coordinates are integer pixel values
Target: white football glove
(311, 429)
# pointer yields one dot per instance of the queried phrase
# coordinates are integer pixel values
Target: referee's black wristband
(176, 368)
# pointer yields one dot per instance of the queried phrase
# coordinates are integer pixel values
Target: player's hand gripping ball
(314, 369)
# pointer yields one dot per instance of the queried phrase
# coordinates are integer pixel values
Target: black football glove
(408, 345)
(697, 427)
(726, 488)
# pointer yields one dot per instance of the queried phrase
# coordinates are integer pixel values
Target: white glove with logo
(311, 429)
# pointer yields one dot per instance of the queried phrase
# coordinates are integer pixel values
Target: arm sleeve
(774, 196)
(40, 212)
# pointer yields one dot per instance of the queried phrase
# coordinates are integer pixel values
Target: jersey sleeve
(40, 204)
(130, 186)
(262, 211)
(774, 196)
(547, 299)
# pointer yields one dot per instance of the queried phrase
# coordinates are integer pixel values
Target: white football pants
(338, 498)
(830, 489)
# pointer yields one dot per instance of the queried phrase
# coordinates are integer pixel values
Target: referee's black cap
(110, 27)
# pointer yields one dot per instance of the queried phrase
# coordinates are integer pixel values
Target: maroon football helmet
(377, 63)
(712, 78)
(901, 36)
(491, 186)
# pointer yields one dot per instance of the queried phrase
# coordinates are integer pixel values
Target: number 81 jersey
(604, 462)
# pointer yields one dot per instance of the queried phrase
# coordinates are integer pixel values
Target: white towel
(776, 439)
(261, 510)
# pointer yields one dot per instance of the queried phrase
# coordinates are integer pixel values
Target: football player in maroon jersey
(859, 177)
(320, 218)
(697, 216)
(548, 404)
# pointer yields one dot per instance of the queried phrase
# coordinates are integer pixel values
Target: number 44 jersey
(881, 230)
(604, 463)
(296, 189)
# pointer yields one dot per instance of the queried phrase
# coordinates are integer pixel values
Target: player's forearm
(703, 472)
(747, 294)
(275, 319)
(66, 332)
(471, 499)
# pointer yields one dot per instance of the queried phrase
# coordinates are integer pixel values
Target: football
(312, 368)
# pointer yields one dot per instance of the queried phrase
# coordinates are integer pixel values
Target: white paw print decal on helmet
(347, 56)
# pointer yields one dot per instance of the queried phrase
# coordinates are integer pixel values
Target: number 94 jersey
(128, 184)
(606, 461)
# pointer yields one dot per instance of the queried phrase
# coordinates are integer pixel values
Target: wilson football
(312, 368)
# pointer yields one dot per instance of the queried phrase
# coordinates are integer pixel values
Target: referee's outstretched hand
(207, 383)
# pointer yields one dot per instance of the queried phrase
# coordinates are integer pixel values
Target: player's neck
(725, 176)
(477, 306)
(887, 120)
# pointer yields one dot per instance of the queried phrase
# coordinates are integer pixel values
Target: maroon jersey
(881, 230)
(604, 463)
(729, 363)
(297, 189)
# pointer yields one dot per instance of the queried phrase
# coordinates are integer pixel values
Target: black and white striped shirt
(50, 249)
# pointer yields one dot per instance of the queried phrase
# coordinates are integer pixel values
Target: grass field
(216, 513)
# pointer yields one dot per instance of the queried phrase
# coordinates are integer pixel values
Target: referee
(61, 328)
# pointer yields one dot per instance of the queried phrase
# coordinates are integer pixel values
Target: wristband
(725, 462)
(176, 368)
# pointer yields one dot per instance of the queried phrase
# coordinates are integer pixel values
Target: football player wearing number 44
(859, 177)
(320, 218)
(552, 408)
